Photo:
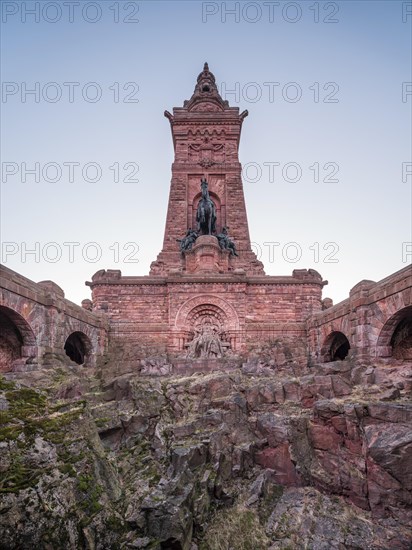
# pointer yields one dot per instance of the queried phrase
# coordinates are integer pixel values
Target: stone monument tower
(207, 295)
(206, 134)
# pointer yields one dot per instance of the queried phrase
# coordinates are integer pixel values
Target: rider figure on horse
(206, 224)
(206, 212)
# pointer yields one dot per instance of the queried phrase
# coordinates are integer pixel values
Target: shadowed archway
(335, 348)
(78, 347)
(17, 340)
(395, 338)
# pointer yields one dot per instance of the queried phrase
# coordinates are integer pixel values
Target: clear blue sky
(349, 74)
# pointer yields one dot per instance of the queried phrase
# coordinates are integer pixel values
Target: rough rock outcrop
(320, 460)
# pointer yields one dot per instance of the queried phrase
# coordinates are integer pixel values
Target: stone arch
(78, 347)
(335, 347)
(395, 338)
(18, 345)
(207, 309)
(193, 305)
(382, 317)
(214, 313)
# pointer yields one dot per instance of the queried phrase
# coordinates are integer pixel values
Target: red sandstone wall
(367, 318)
(283, 303)
(45, 319)
(138, 316)
(152, 315)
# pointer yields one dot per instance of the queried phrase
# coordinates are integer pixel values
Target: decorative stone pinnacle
(206, 90)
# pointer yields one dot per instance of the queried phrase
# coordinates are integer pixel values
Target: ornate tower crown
(205, 92)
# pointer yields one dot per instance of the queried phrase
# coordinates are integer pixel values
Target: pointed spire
(206, 91)
(206, 75)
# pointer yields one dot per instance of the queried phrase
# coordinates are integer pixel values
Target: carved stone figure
(206, 212)
(188, 240)
(205, 344)
(214, 348)
(226, 243)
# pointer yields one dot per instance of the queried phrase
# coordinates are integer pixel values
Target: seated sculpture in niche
(207, 342)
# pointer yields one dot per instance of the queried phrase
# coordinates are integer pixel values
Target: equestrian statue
(206, 212)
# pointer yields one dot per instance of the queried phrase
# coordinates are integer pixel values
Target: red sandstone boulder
(278, 459)
(390, 447)
(385, 493)
(325, 438)
(273, 427)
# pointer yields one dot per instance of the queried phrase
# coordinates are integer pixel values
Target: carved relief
(213, 306)
(206, 153)
(194, 153)
(231, 151)
(206, 107)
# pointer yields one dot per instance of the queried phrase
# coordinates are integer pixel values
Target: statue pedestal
(206, 256)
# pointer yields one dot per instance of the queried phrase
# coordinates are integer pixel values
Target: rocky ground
(255, 457)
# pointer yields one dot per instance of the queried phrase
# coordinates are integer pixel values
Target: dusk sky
(326, 148)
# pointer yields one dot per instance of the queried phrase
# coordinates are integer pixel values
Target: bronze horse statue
(206, 212)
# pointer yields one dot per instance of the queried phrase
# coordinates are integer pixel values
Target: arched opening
(335, 348)
(210, 315)
(17, 340)
(395, 339)
(78, 347)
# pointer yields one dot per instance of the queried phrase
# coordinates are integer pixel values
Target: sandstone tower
(206, 135)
